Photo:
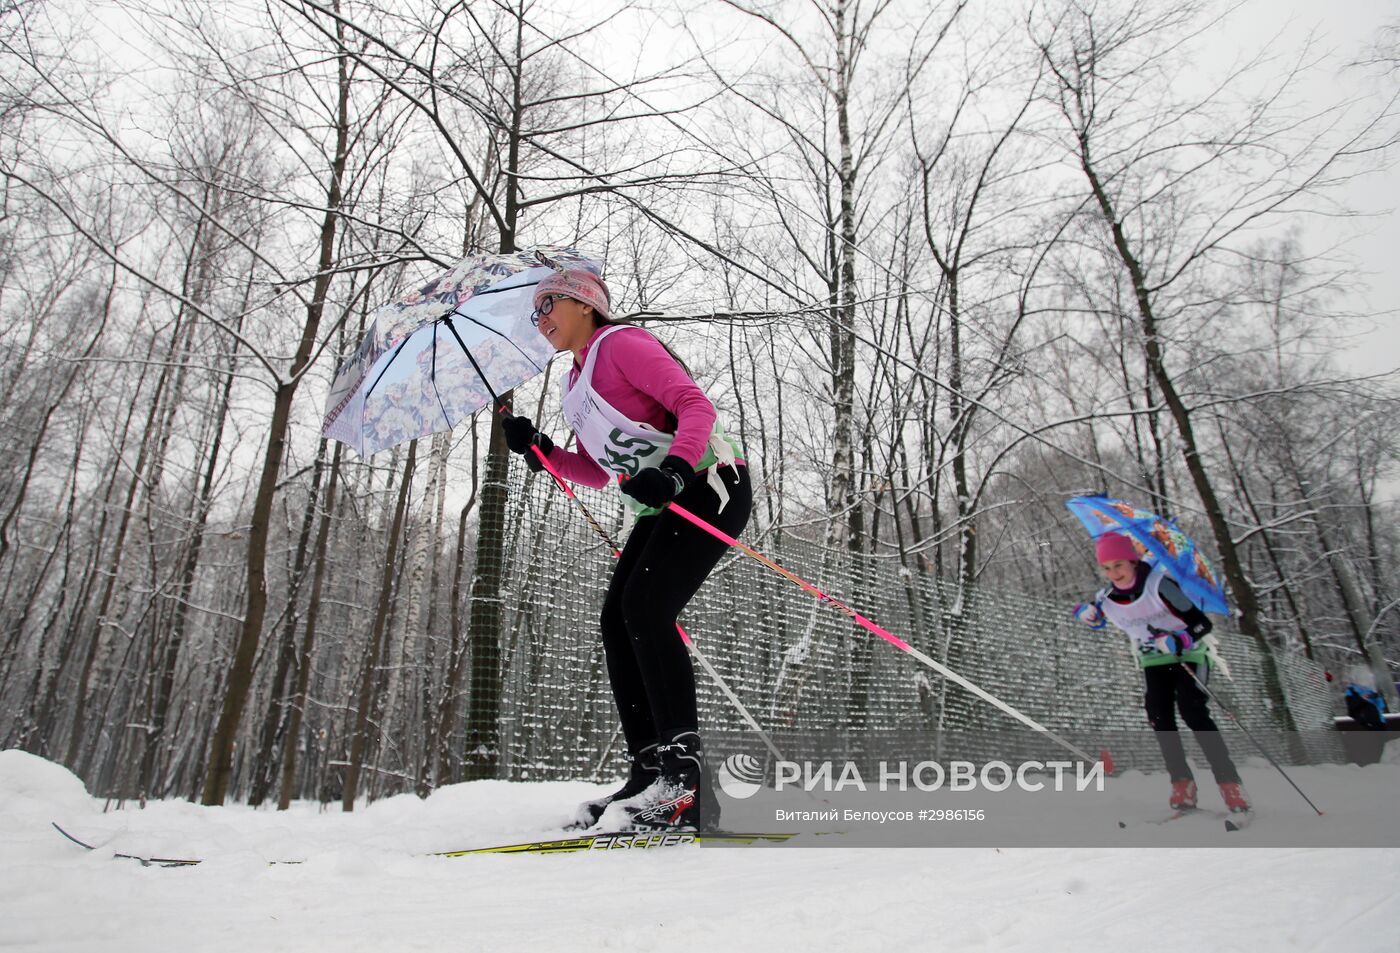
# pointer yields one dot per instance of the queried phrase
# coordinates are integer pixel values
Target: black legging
(662, 566)
(1172, 687)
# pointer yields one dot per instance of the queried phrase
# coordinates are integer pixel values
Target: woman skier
(641, 420)
(1167, 633)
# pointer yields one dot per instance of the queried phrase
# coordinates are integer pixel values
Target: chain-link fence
(800, 666)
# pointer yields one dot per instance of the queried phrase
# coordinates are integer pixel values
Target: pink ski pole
(889, 637)
(569, 491)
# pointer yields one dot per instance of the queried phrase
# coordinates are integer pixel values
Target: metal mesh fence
(801, 667)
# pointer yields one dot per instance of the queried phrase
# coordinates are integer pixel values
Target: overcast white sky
(1344, 29)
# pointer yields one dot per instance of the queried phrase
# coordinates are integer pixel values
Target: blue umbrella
(1161, 542)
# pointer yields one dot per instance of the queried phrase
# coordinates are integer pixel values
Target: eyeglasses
(546, 306)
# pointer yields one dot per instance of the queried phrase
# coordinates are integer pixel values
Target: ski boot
(1233, 796)
(673, 801)
(1183, 795)
(645, 769)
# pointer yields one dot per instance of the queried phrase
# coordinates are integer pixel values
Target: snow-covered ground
(361, 887)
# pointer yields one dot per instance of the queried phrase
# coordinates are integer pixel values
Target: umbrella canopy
(437, 355)
(1161, 542)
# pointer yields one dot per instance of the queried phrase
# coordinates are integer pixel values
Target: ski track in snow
(361, 889)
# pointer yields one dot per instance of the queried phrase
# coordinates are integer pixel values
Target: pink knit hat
(1111, 546)
(578, 284)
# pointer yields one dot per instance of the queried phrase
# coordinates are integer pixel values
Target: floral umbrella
(438, 355)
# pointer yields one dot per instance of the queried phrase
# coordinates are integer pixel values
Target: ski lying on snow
(143, 861)
(628, 840)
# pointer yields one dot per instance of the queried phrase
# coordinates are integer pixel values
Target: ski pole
(889, 637)
(569, 491)
(685, 637)
(734, 699)
(1240, 725)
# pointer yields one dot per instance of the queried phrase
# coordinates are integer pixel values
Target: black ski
(1238, 821)
(1157, 821)
(143, 861)
(1233, 821)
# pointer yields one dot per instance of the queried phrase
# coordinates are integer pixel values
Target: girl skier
(1166, 632)
(640, 419)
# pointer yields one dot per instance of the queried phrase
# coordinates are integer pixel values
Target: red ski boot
(1235, 801)
(1184, 795)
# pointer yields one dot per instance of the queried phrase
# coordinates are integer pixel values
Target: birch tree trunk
(296, 704)
(379, 634)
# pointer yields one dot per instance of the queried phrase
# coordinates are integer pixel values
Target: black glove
(659, 485)
(1197, 624)
(521, 435)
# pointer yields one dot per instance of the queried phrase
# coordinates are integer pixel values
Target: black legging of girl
(1172, 687)
(663, 564)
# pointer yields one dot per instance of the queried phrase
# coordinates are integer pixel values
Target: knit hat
(578, 284)
(1112, 546)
